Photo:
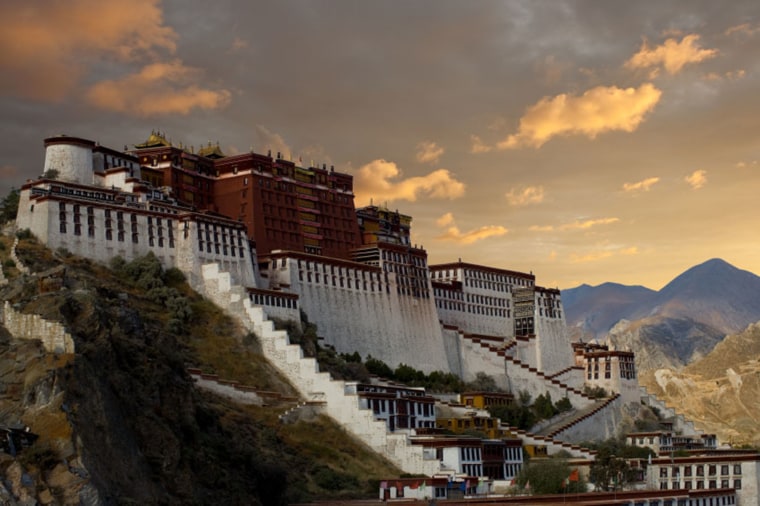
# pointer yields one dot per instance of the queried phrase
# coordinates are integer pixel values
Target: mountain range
(671, 327)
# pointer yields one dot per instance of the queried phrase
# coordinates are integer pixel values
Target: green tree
(482, 383)
(550, 476)
(563, 405)
(543, 406)
(9, 206)
(408, 375)
(519, 414)
(378, 367)
(610, 471)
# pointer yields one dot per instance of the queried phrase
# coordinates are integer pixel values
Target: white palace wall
(101, 230)
(375, 320)
(551, 346)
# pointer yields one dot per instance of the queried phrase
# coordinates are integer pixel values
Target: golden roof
(155, 140)
(211, 151)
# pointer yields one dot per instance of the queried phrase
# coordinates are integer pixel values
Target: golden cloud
(744, 29)
(731, 75)
(576, 225)
(672, 55)
(477, 146)
(602, 254)
(273, 141)
(598, 110)
(238, 44)
(445, 220)
(586, 224)
(745, 165)
(47, 46)
(374, 180)
(428, 152)
(525, 195)
(159, 88)
(643, 185)
(8, 171)
(453, 233)
(697, 179)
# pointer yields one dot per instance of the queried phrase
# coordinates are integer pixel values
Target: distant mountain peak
(714, 293)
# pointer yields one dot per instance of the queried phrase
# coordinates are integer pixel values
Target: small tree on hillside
(610, 471)
(9, 206)
(550, 476)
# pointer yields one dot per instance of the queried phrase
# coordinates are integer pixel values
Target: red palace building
(283, 206)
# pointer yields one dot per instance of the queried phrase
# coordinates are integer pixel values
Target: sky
(582, 141)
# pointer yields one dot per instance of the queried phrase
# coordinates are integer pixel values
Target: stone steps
(312, 384)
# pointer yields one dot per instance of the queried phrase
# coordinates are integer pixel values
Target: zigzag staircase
(313, 385)
(550, 381)
(553, 445)
(586, 406)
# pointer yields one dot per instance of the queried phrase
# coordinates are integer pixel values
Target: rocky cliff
(719, 392)
(120, 420)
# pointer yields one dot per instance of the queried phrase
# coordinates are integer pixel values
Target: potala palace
(266, 238)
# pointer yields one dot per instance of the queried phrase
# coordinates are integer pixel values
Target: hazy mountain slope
(593, 310)
(720, 391)
(714, 293)
(665, 342)
(674, 326)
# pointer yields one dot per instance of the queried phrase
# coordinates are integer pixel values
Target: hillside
(120, 421)
(671, 327)
(720, 391)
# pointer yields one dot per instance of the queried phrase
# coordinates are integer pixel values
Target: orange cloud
(8, 171)
(159, 88)
(643, 185)
(745, 29)
(428, 152)
(238, 44)
(453, 233)
(47, 46)
(374, 180)
(672, 55)
(586, 224)
(731, 75)
(525, 195)
(602, 254)
(445, 220)
(745, 165)
(576, 225)
(272, 141)
(697, 179)
(598, 110)
(478, 146)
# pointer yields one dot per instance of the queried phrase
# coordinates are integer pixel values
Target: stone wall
(53, 335)
(368, 317)
(553, 350)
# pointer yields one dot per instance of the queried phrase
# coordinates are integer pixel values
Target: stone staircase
(680, 424)
(53, 335)
(577, 397)
(579, 416)
(19, 264)
(552, 445)
(313, 385)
